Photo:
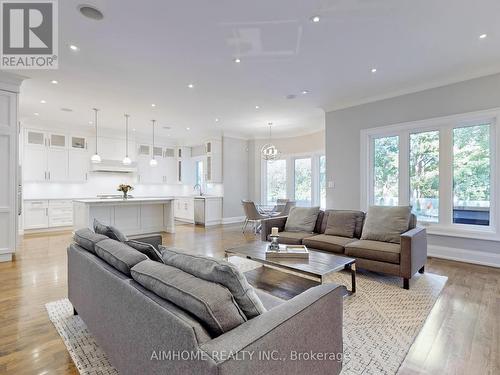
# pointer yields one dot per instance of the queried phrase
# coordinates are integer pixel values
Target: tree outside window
(386, 171)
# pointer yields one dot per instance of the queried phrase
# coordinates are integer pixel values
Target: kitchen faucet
(198, 186)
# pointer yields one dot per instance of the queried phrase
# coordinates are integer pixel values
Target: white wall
(343, 129)
(235, 176)
(306, 144)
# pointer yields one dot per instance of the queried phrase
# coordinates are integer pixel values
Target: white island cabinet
(134, 216)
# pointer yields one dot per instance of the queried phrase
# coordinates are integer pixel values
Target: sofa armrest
(308, 323)
(155, 240)
(413, 251)
(267, 224)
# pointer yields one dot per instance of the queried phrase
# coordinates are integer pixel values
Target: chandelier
(269, 151)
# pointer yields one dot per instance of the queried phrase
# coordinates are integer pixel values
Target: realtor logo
(29, 34)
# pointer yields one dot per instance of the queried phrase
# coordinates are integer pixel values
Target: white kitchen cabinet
(213, 161)
(57, 164)
(36, 214)
(44, 214)
(35, 164)
(78, 165)
(184, 209)
(60, 213)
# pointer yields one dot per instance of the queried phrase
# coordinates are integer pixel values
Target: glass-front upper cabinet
(78, 143)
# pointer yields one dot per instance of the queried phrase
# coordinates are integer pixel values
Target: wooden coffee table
(319, 265)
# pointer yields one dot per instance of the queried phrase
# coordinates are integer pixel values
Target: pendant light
(95, 158)
(269, 151)
(153, 162)
(126, 160)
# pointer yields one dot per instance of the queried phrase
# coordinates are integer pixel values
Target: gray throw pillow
(302, 219)
(87, 239)
(384, 223)
(217, 271)
(109, 231)
(210, 302)
(341, 223)
(147, 249)
(119, 255)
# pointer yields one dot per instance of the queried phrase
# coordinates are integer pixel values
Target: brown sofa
(402, 260)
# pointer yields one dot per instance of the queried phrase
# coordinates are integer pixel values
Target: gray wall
(235, 175)
(343, 138)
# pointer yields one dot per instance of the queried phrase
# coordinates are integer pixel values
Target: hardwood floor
(461, 335)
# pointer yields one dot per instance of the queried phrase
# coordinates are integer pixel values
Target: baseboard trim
(6, 257)
(233, 220)
(463, 255)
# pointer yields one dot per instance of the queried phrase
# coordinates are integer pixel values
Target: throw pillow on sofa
(119, 255)
(147, 249)
(302, 219)
(386, 224)
(341, 223)
(217, 271)
(109, 231)
(210, 302)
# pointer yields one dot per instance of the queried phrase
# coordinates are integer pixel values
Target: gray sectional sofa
(117, 291)
(401, 254)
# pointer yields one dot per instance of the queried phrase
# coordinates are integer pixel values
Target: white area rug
(381, 322)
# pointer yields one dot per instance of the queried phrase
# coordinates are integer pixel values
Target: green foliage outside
(303, 181)
(276, 180)
(386, 170)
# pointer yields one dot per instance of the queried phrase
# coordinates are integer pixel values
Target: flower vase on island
(124, 188)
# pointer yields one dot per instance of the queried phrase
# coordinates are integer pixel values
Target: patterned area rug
(381, 322)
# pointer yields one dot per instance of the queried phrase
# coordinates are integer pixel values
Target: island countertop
(137, 200)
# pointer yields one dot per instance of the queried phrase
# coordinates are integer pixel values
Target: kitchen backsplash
(107, 184)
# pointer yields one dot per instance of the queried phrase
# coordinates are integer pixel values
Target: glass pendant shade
(126, 161)
(269, 151)
(95, 159)
(153, 162)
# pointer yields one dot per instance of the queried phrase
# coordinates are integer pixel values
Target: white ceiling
(146, 52)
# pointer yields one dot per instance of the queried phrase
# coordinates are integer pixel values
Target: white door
(78, 166)
(57, 164)
(35, 164)
(8, 170)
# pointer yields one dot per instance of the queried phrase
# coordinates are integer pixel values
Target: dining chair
(286, 210)
(252, 215)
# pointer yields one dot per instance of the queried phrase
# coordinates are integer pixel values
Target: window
(303, 182)
(424, 175)
(443, 168)
(276, 180)
(471, 175)
(199, 173)
(386, 171)
(322, 181)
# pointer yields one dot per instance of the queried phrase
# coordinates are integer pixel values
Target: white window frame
(290, 176)
(445, 126)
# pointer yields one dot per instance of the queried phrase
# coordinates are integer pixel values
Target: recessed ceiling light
(374, 70)
(482, 36)
(257, 107)
(188, 128)
(54, 82)
(305, 92)
(237, 60)
(43, 101)
(90, 12)
(133, 129)
(65, 109)
(36, 114)
(315, 19)
(153, 105)
(216, 120)
(90, 122)
(191, 85)
(73, 47)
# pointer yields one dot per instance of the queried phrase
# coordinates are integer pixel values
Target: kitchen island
(133, 216)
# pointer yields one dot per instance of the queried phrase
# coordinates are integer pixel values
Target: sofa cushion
(386, 223)
(147, 249)
(109, 231)
(334, 244)
(341, 223)
(292, 238)
(118, 255)
(217, 271)
(87, 239)
(211, 303)
(360, 217)
(302, 219)
(374, 250)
